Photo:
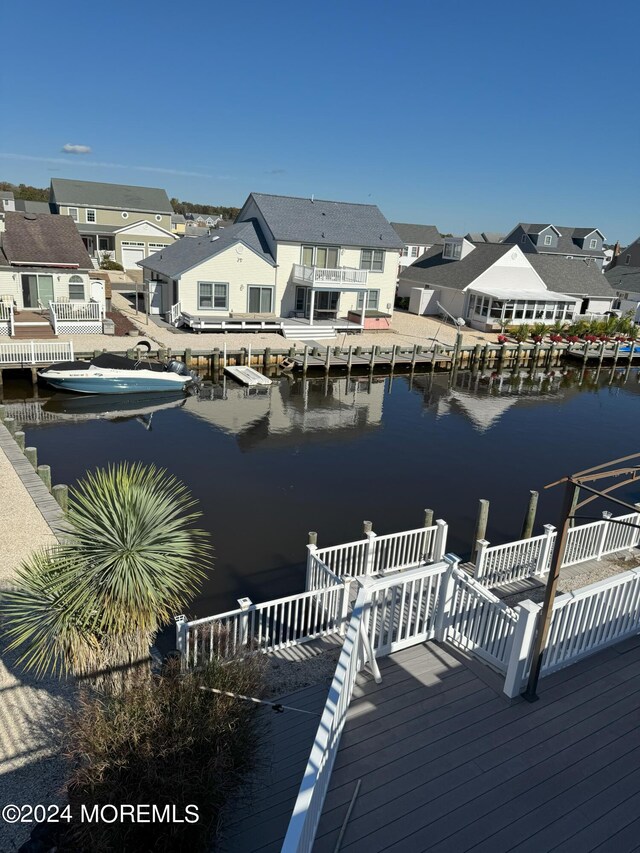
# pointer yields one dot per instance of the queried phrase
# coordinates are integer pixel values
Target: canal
(325, 454)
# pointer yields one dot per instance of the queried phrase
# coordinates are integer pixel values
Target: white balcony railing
(321, 276)
(66, 311)
(6, 318)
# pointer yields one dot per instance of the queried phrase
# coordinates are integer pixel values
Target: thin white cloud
(11, 156)
(76, 149)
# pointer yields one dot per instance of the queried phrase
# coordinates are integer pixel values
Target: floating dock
(247, 376)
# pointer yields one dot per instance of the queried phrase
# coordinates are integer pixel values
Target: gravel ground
(31, 770)
(283, 676)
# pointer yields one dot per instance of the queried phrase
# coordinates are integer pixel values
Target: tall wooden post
(530, 517)
(481, 524)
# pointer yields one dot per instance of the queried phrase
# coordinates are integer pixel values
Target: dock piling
(44, 472)
(20, 439)
(428, 518)
(32, 455)
(481, 524)
(11, 425)
(61, 493)
(530, 517)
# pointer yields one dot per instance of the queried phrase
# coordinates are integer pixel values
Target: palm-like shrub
(134, 559)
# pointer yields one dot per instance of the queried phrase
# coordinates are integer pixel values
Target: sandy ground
(30, 708)
(406, 330)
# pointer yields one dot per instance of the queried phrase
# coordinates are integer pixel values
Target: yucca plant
(133, 561)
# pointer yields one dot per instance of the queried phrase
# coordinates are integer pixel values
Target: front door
(37, 290)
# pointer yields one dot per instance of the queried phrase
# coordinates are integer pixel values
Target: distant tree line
(25, 191)
(189, 207)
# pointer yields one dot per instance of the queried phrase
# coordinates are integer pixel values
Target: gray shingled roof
(177, 218)
(188, 252)
(27, 206)
(43, 239)
(484, 237)
(116, 196)
(566, 240)
(325, 223)
(575, 277)
(626, 279)
(6, 194)
(417, 235)
(433, 269)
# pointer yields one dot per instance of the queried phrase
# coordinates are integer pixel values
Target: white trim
(124, 214)
(87, 211)
(130, 226)
(271, 287)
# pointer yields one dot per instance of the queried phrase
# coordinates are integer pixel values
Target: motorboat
(116, 374)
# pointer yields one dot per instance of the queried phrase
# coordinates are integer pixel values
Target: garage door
(131, 254)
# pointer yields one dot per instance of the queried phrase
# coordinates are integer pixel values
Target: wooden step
(28, 333)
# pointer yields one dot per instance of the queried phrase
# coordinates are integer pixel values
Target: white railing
(76, 311)
(588, 619)
(35, 352)
(476, 621)
(264, 627)
(502, 564)
(321, 275)
(315, 782)
(375, 554)
(174, 313)
(6, 316)
(319, 575)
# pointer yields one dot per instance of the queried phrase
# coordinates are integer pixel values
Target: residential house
(178, 224)
(301, 259)
(7, 201)
(582, 279)
(547, 239)
(42, 260)
(128, 223)
(204, 220)
(488, 285)
(628, 257)
(625, 281)
(417, 240)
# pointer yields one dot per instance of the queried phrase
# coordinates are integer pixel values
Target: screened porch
(493, 309)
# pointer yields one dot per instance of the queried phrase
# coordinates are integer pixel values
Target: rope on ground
(276, 706)
(345, 822)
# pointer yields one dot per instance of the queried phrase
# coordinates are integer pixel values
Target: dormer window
(593, 243)
(452, 251)
(627, 260)
(548, 239)
(523, 239)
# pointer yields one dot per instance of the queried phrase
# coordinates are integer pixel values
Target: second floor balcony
(326, 277)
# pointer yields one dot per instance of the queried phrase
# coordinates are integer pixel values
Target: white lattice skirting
(5, 331)
(79, 328)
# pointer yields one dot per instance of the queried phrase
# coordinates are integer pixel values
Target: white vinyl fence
(375, 554)
(264, 627)
(503, 564)
(35, 352)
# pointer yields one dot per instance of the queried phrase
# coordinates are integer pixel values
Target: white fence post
(602, 534)
(440, 543)
(369, 552)
(445, 599)
(245, 604)
(636, 539)
(344, 606)
(521, 647)
(310, 563)
(481, 547)
(181, 638)
(546, 548)
(33, 353)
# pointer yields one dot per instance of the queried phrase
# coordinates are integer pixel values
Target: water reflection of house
(285, 413)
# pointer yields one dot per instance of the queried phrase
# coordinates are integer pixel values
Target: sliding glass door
(37, 290)
(260, 299)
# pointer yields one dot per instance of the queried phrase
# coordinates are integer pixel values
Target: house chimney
(312, 196)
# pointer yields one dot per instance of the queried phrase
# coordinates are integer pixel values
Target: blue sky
(464, 115)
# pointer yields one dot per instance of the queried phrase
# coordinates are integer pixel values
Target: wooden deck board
(493, 775)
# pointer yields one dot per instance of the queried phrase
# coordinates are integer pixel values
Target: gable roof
(624, 278)
(27, 206)
(567, 239)
(484, 237)
(324, 223)
(432, 268)
(6, 194)
(417, 235)
(42, 239)
(188, 252)
(575, 277)
(114, 196)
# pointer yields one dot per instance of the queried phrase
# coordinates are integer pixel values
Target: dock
(334, 359)
(247, 376)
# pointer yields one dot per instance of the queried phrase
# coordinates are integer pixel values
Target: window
(221, 295)
(452, 251)
(260, 299)
(593, 243)
(405, 252)
(523, 239)
(213, 295)
(414, 251)
(373, 299)
(302, 299)
(156, 247)
(205, 295)
(158, 217)
(73, 213)
(372, 259)
(124, 214)
(325, 257)
(76, 288)
(90, 215)
(627, 260)
(548, 239)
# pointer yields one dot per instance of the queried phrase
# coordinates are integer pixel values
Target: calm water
(326, 454)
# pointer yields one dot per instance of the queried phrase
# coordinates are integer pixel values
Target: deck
(447, 764)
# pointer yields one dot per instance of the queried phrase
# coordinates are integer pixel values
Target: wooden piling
(215, 360)
(601, 353)
(481, 525)
(305, 359)
(11, 425)
(34, 375)
(3, 412)
(44, 472)
(327, 361)
(372, 362)
(367, 527)
(20, 439)
(32, 455)
(313, 537)
(349, 358)
(414, 356)
(477, 354)
(187, 357)
(428, 518)
(266, 358)
(358, 351)
(616, 353)
(292, 352)
(530, 516)
(61, 493)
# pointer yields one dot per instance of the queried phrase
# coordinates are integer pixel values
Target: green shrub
(167, 743)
